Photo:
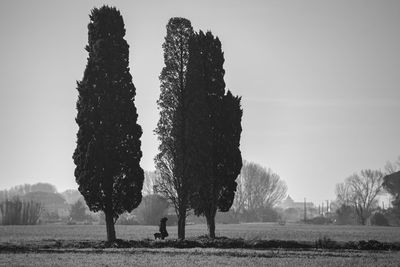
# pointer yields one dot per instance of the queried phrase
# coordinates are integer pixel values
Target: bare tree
(343, 194)
(361, 192)
(258, 187)
(239, 201)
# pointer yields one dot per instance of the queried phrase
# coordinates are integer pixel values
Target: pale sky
(319, 80)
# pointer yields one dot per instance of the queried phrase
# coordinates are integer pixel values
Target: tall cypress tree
(214, 186)
(171, 129)
(108, 150)
(199, 133)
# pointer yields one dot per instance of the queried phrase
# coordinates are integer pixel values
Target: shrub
(319, 220)
(325, 242)
(379, 219)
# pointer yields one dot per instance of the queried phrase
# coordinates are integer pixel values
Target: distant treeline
(357, 198)
(37, 203)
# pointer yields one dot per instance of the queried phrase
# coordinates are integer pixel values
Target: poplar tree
(171, 128)
(108, 150)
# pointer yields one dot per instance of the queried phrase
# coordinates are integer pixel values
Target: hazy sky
(319, 80)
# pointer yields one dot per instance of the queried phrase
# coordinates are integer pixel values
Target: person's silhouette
(163, 227)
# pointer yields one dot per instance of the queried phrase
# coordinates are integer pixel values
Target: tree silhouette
(170, 161)
(258, 188)
(216, 139)
(108, 151)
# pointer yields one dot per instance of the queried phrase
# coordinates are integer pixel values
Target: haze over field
(319, 83)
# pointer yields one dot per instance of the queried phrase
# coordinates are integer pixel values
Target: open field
(251, 231)
(67, 245)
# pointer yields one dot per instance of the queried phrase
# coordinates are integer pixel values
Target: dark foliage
(214, 159)
(230, 159)
(108, 141)
(170, 161)
(200, 242)
(393, 216)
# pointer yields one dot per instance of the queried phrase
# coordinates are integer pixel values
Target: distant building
(290, 203)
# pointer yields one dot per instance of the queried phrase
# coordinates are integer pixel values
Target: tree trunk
(361, 216)
(181, 224)
(210, 217)
(363, 220)
(110, 226)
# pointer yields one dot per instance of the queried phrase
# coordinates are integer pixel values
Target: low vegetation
(199, 242)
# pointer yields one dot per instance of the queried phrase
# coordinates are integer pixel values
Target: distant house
(290, 203)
